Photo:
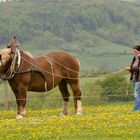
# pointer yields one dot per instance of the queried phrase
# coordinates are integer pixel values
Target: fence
(53, 99)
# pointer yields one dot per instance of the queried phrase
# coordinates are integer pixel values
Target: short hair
(137, 47)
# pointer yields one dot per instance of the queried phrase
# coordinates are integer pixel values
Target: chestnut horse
(42, 73)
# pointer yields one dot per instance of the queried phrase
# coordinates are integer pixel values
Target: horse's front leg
(21, 102)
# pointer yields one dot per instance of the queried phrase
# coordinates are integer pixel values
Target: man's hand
(127, 69)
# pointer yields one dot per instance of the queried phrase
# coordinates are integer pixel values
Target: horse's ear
(13, 41)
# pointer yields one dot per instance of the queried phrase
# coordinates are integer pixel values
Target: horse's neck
(27, 61)
(6, 66)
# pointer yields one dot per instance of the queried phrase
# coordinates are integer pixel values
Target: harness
(15, 64)
(15, 68)
(52, 71)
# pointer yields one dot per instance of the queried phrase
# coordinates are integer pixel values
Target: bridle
(14, 66)
(1, 60)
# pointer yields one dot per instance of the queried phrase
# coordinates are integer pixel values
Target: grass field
(108, 122)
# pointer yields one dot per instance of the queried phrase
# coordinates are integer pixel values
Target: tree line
(115, 21)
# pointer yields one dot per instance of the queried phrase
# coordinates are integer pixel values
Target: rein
(15, 64)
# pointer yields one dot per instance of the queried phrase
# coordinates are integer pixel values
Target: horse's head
(7, 54)
(4, 56)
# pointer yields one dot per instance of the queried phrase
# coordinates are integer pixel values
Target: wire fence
(46, 101)
(53, 99)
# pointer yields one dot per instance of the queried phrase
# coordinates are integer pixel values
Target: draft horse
(41, 73)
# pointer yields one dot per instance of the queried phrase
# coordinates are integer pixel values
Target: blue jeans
(136, 91)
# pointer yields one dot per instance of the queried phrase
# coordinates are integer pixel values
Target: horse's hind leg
(65, 94)
(77, 96)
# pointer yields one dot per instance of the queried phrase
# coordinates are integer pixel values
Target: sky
(4, 0)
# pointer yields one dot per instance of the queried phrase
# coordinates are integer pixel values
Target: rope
(108, 74)
(51, 65)
(62, 65)
(11, 71)
(47, 71)
(9, 74)
(121, 70)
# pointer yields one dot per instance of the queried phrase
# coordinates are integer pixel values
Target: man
(134, 69)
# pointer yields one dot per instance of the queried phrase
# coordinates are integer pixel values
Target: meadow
(102, 122)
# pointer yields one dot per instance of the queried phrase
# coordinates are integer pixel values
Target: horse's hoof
(79, 113)
(62, 114)
(19, 116)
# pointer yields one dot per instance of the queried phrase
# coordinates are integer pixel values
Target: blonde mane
(5, 53)
(29, 54)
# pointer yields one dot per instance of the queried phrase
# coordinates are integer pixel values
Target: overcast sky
(4, 0)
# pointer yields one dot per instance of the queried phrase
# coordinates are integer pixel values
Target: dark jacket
(135, 71)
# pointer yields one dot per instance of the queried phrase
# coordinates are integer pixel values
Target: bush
(116, 88)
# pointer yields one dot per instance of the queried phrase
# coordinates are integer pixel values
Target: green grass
(100, 121)
(111, 122)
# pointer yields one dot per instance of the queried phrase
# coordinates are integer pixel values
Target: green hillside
(100, 33)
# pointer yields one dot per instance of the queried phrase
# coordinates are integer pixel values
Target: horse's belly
(37, 87)
(37, 83)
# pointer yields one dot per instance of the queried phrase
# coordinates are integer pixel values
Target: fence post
(5, 95)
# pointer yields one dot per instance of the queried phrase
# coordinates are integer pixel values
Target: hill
(100, 33)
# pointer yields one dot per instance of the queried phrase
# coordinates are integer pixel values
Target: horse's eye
(9, 46)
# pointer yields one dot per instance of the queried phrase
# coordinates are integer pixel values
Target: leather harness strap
(16, 64)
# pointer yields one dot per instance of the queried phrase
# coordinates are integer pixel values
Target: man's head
(136, 50)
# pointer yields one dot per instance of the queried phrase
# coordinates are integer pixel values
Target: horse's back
(64, 59)
(59, 63)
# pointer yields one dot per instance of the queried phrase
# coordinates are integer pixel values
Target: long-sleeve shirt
(135, 68)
